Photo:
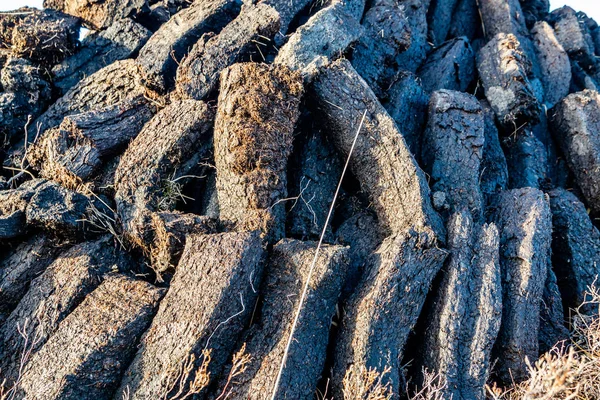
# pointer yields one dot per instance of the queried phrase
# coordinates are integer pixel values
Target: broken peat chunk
(464, 322)
(451, 66)
(149, 168)
(253, 139)
(553, 61)
(524, 221)
(209, 302)
(504, 70)
(285, 276)
(575, 123)
(241, 40)
(159, 58)
(325, 37)
(45, 205)
(386, 34)
(76, 150)
(119, 41)
(385, 307)
(380, 154)
(452, 151)
(44, 36)
(104, 329)
(575, 249)
(108, 86)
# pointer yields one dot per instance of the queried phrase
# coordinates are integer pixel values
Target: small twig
(300, 196)
(261, 53)
(26, 140)
(336, 106)
(188, 176)
(207, 165)
(21, 172)
(226, 321)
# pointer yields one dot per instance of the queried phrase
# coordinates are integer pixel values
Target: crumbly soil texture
(293, 199)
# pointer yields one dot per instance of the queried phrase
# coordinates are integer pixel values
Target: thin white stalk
(314, 262)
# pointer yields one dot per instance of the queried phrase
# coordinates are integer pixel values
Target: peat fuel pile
(166, 180)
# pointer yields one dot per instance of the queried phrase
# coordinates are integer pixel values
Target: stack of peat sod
(167, 178)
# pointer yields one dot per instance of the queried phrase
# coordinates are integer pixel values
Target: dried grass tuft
(172, 192)
(175, 381)
(570, 370)
(240, 363)
(366, 384)
(10, 391)
(433, 388)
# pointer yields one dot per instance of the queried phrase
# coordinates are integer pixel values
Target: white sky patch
(8, 5)
(83, 32)
(590, 7)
